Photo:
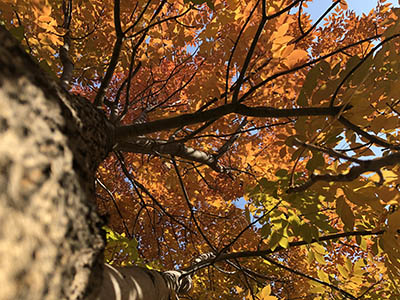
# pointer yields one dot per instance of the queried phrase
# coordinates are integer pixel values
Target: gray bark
(50, 145)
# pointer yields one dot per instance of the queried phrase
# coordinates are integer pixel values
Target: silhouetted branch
(260, 253)
(66, 61)
(190, 206)
(124, 133)
(373, 165)
(115, 205)
(373, 139)
(329, 151)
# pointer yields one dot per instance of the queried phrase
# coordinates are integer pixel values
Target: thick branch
(157, 147)
(124, 133)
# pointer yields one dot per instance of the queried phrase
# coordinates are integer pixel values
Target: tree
(243, 133)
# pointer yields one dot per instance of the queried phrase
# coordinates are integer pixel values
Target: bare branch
(99, 99)
(147, 192)
(304, 34)
(249, 55)
(225, 147)
(307, 64)
(360, 63)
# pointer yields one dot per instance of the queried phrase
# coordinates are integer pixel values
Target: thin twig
(346, 294)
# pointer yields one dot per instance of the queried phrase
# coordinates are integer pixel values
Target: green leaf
(274, 240)
(268, 185)
(295, 223)
(349, 265)
(319, 258)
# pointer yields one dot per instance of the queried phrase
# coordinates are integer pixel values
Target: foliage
(243, 128)
(120, 249)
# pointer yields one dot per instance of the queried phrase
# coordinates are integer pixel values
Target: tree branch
(225, 147)
(147, 192)
(190, 206)
(260, 253)
(68, 65)
(307, 64)
(124, 133)
(373, 165)
(373, 139)
(115, 205)
(157, 147)
(309, 277)
(329, 151)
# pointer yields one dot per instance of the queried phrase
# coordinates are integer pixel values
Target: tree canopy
(243, 128)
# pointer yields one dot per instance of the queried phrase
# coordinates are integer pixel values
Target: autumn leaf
(295, 57)
(247, 129)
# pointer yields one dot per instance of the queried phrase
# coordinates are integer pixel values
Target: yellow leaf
(265, 294)
(266, 291)
(238, 289)
(295, 57)
(282, 30)
(342, 271)
(283, 40)
(323, 276)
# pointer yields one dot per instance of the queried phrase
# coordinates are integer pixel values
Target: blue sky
(316, 8)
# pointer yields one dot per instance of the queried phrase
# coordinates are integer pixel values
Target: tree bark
(51, 143)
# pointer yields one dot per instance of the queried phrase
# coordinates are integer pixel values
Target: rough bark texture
(50, 145)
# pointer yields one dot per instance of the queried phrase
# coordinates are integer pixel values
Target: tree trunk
(50, 145)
